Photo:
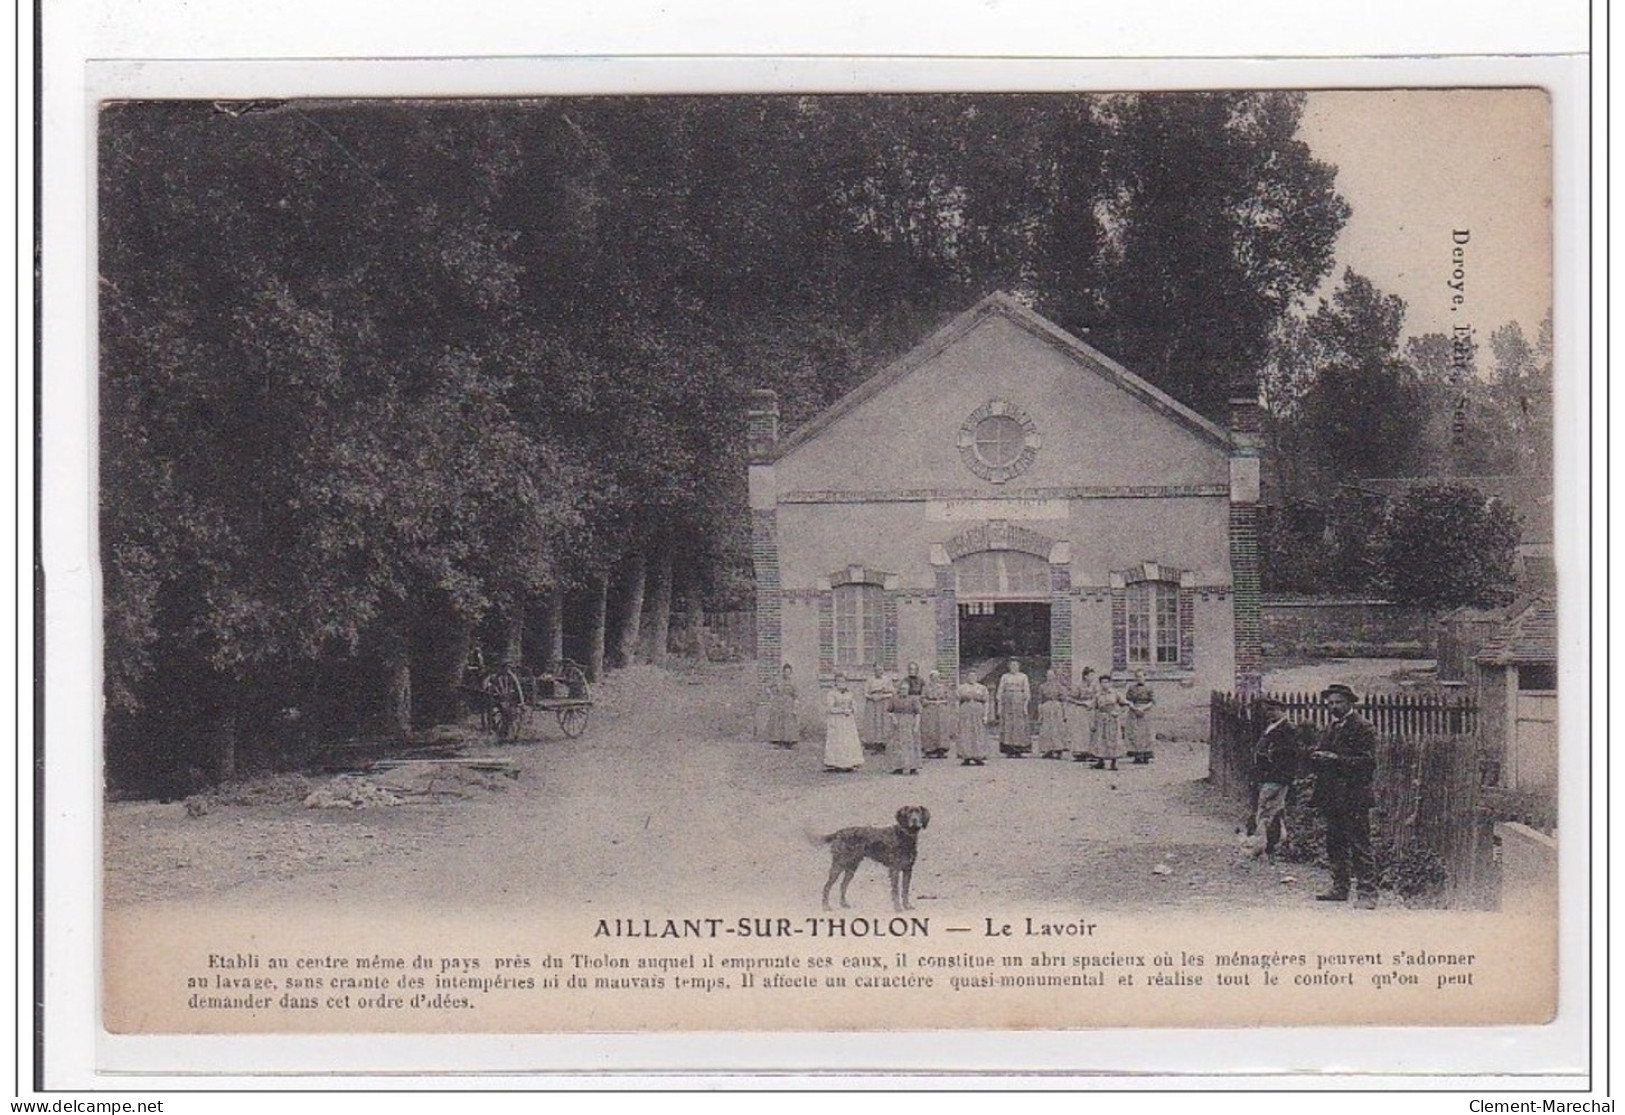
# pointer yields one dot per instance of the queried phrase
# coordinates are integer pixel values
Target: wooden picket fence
(1426, 784)
(1403, 714)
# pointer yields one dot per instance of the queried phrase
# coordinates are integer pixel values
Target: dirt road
(666, 798)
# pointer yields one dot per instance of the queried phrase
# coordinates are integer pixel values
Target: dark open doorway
(992, 633)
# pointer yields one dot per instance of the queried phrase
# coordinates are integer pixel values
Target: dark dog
(895, 849)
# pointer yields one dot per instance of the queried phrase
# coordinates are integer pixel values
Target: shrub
(1305, 838)
(1410, 870)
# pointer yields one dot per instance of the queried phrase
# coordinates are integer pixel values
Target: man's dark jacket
(1275, 758)
(1343, 782)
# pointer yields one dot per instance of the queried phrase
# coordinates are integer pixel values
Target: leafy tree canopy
(1446, 545)
(363, 361)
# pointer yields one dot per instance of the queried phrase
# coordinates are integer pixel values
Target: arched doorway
(1003, 591)
(1004, 602)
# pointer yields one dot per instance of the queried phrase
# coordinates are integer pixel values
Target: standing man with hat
(1275, 764)
(1344, 765)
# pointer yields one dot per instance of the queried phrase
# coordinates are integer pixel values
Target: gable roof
(1000, 304)
(1528, 634)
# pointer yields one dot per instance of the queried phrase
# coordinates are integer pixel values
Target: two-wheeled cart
(508, 695)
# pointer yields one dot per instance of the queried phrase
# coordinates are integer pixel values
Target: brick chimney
(1245, 421)
(762, 424)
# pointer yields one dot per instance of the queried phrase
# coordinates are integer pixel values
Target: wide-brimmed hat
(1341, 690)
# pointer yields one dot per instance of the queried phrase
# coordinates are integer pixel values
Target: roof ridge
(1006, 305)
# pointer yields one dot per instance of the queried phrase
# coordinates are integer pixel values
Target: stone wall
(1330, 628)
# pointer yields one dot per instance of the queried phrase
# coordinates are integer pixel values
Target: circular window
(998, 441)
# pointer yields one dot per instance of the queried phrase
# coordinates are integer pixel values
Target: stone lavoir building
(1006, 490)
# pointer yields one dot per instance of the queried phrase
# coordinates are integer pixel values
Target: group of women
(910, 719)
(914, 718)
(1094, 721)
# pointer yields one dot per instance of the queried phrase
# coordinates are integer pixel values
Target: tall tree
(1361, 409)
(1217, 220)
(1446, 545)
(297, 452)
(1521, 384)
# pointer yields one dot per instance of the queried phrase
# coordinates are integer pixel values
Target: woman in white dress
(842, 750)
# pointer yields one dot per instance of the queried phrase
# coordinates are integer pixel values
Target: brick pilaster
(1060, 619)
(1119, 628)
(764, 555)
(1187, 626)
(888, 631)
(947, 624)
(1244, 571)
(1244, 598)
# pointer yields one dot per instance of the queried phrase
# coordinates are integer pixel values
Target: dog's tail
(816, 838)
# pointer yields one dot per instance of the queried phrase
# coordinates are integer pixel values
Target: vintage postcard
(827, 562)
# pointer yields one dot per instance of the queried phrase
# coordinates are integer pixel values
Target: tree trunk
(660, 610)
(513, 636)
(637, 577)
(460, 640)
(595, 640)
(555, 628)
(225, 751)
(397, 661)
(694, 626)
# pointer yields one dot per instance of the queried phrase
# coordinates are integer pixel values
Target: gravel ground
(666, 802)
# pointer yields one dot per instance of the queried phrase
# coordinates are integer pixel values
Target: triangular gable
(1003, 305)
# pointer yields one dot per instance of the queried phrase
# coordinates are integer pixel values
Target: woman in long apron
(842, 749)
(783, 723)
(1082, 715)
(1053, 741)
(1140, 698)
(970, 737)
(1111, 710)
(905, 709)
(934, 717)
(875, 728)
(1014, 698)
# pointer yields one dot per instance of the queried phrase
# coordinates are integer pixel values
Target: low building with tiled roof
(1516, 680)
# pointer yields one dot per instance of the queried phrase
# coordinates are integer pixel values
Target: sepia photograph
(837, 561)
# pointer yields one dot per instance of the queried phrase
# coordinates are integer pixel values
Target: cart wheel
(507, 704)
(573, 721)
